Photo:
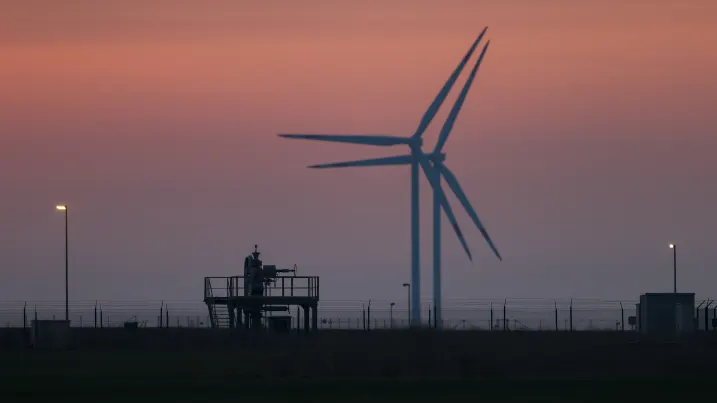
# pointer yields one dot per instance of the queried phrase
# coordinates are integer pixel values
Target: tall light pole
(674, 266)
(390, 314)
(67, 293)
(408, 285)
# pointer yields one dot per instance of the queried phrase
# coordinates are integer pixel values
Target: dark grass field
(204, 364)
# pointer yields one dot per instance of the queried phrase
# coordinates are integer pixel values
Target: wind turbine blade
(353, 139)
(448, 126)
(431, 175)
(456, 187)
(433, 108)
(397, 160)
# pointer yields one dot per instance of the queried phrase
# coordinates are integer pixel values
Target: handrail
(208, 293)
(285, 286)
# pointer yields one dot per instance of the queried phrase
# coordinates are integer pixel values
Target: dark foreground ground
(204, 364)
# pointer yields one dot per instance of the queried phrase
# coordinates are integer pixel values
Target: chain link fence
(510, 314)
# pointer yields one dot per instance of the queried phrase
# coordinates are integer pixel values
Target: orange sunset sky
(586, 145)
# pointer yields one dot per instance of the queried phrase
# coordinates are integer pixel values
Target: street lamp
(674, 266)
(67, 304)
(390, 314)
(409, 302)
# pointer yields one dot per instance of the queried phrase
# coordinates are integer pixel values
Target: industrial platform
(230, 304)
(251, 301)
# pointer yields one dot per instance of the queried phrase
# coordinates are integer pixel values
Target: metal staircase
(219, 315)
(218, 312)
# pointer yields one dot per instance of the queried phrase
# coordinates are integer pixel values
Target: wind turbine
(441, 170)
(432, 166)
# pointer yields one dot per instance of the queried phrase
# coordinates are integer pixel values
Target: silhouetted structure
(248, 301)
(435, 169)
(666, 313)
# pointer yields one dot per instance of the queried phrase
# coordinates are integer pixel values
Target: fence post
(504, 315)
(491, 315)
(363, 315)
(571, 314)
(707, 315)
(556, 315)
(102, 322)
(697, 317)
(95, 315)
(368, 323)
(24, 316)
(166, 315)
(622, 317)
(161, 314)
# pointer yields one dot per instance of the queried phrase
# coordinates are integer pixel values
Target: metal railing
(208, 293)
(286, 286)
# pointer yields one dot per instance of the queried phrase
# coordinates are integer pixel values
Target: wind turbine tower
(434, 168)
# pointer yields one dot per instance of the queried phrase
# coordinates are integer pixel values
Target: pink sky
(586, 145)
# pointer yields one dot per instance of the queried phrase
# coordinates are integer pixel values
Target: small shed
(666, 313)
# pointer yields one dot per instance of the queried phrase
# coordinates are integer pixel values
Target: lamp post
(390, 314)
(408, 285)
(67, 304)
(674, 267)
